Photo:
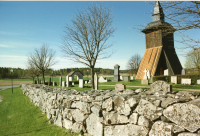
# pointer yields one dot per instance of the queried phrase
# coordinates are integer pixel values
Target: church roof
(149, 61)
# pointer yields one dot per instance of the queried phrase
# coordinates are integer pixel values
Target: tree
(85, 41)
(42, 58)
(184, 15)
(134, 64)
(193, 60)
(33, 71)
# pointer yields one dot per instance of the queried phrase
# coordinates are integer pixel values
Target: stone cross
(145, 74)
(67, 81)
(96, 81)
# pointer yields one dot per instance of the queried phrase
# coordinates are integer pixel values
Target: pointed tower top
(158, 14)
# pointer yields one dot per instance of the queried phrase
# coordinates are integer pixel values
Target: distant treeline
(24, 73)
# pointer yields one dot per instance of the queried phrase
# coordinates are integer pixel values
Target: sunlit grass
(18, 116)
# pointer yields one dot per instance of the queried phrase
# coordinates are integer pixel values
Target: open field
(21, 117)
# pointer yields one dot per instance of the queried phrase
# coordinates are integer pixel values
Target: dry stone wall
(119, 112)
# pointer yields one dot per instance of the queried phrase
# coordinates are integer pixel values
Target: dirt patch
(8, 83)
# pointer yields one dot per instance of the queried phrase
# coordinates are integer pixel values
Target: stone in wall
(148, 110)
(121, 106)
(79, 116)
(94, 127)
(161, 86)
(114, 118)
(161, 128)
(184, 115)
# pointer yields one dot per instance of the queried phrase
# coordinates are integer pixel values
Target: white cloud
(6, 46)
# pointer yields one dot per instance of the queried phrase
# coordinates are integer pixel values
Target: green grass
(18, 116)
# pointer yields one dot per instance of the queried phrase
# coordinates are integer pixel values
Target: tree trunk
(37, 79)
(43, 77)
(92, 76)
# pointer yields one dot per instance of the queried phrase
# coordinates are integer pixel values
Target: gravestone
(49, 82)
(96, 81)
(198, 81)
(131, 77)
(63, 83)
(53, 83)
(126, 78)
(145, 74)
(116, 73)
(89, 81)
(183, 72)
(85, 82)
(186, 81)
(102, 79)
(67, 81)
(145, 81)
(70, 78)
(121, 78)
(166, 72)
(77, 78)
(35, 82)
(174, 79)
(81, 83)
(119, 87)
(72, 83)
(60, 81)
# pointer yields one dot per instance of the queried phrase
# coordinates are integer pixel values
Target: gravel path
(6, 87)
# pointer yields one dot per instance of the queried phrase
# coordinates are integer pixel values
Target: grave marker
(60, 81)
(126, 78)
(67, 81)
(186, 81)
(198, 81)
(116, 73)
(174, 79)
(81, 83)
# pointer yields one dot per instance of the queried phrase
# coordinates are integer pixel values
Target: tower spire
(158, 14)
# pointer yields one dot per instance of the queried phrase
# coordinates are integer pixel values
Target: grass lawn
(18, 116)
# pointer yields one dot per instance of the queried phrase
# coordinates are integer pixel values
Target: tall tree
(85, 41)
(193, 59)
(134, 64)
(42, 58)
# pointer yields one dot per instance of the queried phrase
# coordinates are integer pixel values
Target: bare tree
(33, 71)
(134, 64)
(42, 58)
(85, 41)
(184, 15)
(193, 60)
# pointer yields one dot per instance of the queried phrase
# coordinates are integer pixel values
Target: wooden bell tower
(160, 53)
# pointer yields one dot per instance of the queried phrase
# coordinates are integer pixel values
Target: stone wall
(119, 113)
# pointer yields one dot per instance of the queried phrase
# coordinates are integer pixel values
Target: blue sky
(27, 25)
